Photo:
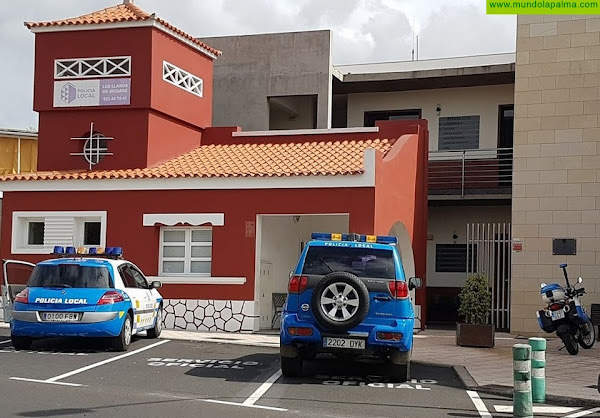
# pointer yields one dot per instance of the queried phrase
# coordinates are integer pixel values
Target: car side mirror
(580, 280)
(155, 284)
(414, 283)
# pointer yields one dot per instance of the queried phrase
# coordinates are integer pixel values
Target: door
(265, 303)
(16, 274)
(141, 297)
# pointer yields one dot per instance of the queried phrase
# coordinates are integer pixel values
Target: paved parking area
(70, 377)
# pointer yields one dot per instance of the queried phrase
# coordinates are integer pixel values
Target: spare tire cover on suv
(340, 301)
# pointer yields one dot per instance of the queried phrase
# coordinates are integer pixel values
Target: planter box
(468, 335)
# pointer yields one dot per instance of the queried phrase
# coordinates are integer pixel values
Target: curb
(507, 391)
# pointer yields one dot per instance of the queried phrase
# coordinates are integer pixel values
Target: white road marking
(583, 413)
(103, 362)
(262, 389)
(538, 409)
(479, 405)
(91, 366)
(247, 406)
(45, 381)
(5, 341)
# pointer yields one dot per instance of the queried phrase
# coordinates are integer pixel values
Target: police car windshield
(362, 262)
(69, 275)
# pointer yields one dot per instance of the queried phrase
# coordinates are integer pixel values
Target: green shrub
(475, 300)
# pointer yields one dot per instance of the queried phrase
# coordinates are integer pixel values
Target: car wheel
(157, 329)
(400, 372)
(291, 367)
(121, 343)
(340, 301)
(21, 343)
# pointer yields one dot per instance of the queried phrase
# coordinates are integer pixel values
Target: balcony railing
(471, 172)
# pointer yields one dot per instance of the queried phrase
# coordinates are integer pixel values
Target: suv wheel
(291, 367)
(340, 301)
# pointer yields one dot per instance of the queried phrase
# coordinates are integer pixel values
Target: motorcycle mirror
(580, 279)
(542, 285)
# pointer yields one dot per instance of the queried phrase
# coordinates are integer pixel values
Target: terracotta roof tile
(244, 160)
(119, 13)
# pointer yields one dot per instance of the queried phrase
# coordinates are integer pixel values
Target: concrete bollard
(538, 369)
(522, 402)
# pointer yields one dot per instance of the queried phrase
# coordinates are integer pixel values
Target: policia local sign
(97, 92)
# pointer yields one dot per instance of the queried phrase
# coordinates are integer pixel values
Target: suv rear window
(362, 262)
(69, 275)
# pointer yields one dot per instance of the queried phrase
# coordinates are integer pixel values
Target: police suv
(348, 296)
(98, 294)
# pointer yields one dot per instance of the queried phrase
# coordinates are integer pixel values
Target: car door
(139, 297)
(148, 305)
(16, 274)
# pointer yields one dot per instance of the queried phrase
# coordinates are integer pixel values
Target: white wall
(281, 237)
(483, 101)
(444, 222)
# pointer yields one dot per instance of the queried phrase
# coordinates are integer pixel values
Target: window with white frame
(39, 232)
(185, 251)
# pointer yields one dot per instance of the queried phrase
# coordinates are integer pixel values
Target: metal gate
(489, 252)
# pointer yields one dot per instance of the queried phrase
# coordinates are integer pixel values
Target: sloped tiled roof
(120, 13)
(244, 160)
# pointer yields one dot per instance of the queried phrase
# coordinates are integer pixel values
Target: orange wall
(233, 253)
(401, 193)
(171, 99)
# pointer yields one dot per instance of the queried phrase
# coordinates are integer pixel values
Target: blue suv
(348, 296)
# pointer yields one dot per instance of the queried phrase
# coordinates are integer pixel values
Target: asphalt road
(71, 378)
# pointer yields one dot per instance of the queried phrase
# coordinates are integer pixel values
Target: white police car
(98, 294)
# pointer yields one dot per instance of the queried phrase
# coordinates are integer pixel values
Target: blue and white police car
(98, 294)
(348, 295)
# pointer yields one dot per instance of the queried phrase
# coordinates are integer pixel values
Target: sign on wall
(99, 92)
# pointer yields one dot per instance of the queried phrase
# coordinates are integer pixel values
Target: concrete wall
(444, 222)
(281, 237)
(483, 101)
(254, 67)
(557, 158)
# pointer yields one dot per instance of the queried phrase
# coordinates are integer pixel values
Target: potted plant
(475, 306)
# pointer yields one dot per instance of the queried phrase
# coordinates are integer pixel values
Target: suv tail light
(297, 284)
(23, 296)
(110, 297)
(398, 289)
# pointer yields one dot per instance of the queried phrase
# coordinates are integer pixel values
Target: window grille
(182, 79)
(92, 67)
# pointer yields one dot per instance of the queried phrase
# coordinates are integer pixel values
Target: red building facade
(127, 157)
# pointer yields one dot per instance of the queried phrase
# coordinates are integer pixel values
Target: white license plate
(60, 316)
(344, 343)
(556, 315)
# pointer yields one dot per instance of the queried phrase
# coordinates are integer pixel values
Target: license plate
(344, 343)
(60, 316)
(556, 315)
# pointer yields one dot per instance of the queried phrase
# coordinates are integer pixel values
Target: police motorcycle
(566, 315)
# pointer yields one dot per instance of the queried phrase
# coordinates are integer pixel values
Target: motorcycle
(566, 315)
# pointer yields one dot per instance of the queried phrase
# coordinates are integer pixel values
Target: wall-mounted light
(438, 109)
(296, 219)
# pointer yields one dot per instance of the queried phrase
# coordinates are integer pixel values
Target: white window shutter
(59, 231)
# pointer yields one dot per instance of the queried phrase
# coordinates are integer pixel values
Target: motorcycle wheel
(587, 335)
(570, 343)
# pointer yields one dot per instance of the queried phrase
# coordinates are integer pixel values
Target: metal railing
(473, 171)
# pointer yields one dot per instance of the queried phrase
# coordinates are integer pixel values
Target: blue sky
(363, 31)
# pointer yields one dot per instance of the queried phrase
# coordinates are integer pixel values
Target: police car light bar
(379, 239)
(108, 252)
